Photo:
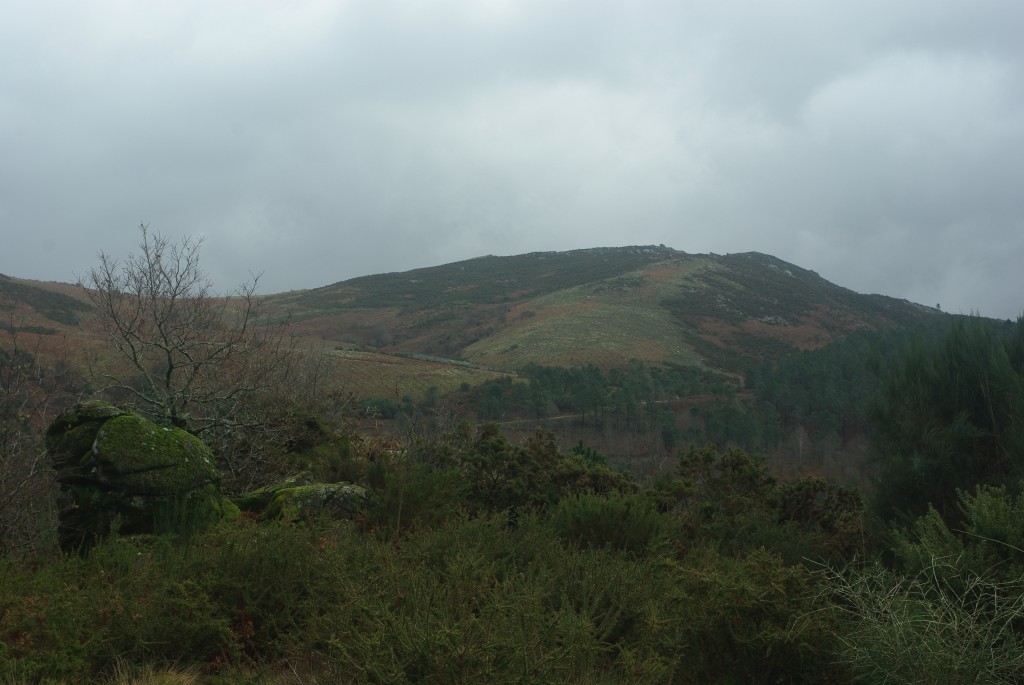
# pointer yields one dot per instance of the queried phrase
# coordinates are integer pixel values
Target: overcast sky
(878, 142)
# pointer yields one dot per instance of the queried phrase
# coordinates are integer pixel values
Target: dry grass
(936, 627)
(371, 374)
(125, 674)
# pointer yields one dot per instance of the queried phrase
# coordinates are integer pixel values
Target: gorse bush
(500, 476)
(953, 608)
(625, 522)
(477, 601)
(753, 619)
(413, 496)
(990, 542)
(126, 600)
(468, 599)
(728, 500)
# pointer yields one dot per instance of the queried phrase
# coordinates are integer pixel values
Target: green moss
(335, 500)
(228, 509)
(120, 469)
(72, 433)
(258, 500)
(142, 458)
(295, 498)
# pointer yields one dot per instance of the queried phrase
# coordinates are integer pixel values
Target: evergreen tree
(950, 416)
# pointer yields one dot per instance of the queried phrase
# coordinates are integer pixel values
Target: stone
(257, 501)
(72, 433)
(297, 499)
(328, 500)
(119, 469)
(137, 457)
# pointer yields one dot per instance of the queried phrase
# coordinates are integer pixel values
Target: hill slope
(603, 305)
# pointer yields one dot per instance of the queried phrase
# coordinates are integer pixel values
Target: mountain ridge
(596, 305)
(601, 305)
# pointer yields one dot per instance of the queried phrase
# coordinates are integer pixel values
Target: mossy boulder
(73, 433)
(228, 509)
(298, 499)
(257, 501)
(116, 467)
(330, 500)
(136, 456)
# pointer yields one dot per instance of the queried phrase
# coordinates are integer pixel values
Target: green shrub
(624, 522)
(990, 544)
(825, 522)
(729, 501)
(412, 496)
(427, 588)
(335, 462)
(748, 620)
(266, 579)
(477, 601)
(128, 599)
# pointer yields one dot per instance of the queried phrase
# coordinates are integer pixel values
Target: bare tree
(188, 357)
(30, 394)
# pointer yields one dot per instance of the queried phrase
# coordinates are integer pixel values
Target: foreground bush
(923, 629)
(749, 620)
(952, 610)
(471, 599)
(625, 522)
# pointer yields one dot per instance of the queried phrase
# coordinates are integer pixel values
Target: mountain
(38, 316)
(603, 306)
(462, 333)
(40, 307)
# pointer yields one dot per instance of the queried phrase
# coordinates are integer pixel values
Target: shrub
(923, 629)
(127, 600)
(624, 522)
(412, 496)
(990, 544)
(477, 601)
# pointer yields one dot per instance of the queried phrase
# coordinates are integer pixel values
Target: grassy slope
(371, 374)
(51, 306)
(604, 306)
(607, 322)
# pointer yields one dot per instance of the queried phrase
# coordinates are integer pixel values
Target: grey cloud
(876, 142)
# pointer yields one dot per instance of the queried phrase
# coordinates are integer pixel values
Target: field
(606, 323)
(371, 374)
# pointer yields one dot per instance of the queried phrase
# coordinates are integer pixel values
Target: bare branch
(189, 357)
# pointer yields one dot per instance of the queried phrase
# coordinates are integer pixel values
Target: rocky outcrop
(117, 468)
(298, 499)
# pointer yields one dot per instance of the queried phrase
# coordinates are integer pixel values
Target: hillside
(465, 330)
(603, 305)
(40, 316)
(40, 307)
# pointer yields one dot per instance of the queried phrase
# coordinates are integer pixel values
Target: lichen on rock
(117, 468)
(138, 457)
(331, 500)
(297, 498)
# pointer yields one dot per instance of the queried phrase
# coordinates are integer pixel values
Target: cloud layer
(881, 144)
